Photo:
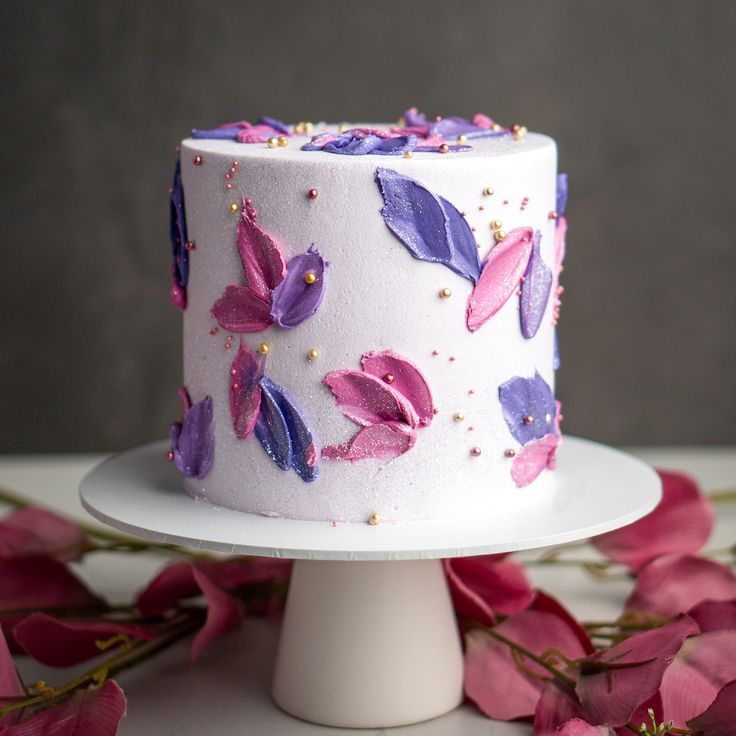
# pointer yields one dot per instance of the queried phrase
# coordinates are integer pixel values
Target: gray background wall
(95, 95)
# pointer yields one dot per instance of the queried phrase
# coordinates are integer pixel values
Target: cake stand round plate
(595, 489)
(369, 637)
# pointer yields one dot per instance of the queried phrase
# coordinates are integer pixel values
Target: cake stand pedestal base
(369, 637)
(368, 644)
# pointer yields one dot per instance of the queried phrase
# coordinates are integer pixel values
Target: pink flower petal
(224, 614)
(672, 584)
(579, 727)
(484, 584)
(408, 380)
(64, 643)
(558, 704)
(612, 695)
(367, 400)
(500, 277)
(245, 391)
(718, 719)
(494, 681)
(34, 530)
(93, 711)
(701, 668)
(682, 522)
(547, 604)
(263, 262)
(10, 684)
(240, 309)
(714, 615)
(383, 441)
(533, 458)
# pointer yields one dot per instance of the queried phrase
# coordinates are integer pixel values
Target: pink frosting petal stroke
(500, 277)
(367, 400)
(245, 391)
(408, 380)
(242, 310)
(533, 458)
(377, 441)
(263, 262)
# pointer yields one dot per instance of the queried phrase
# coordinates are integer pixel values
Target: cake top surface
(412, 135)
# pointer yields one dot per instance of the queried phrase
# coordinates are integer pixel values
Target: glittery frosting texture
(389, 400)
(500, 277)
(295, 299)
(178, 236)
(245, 391)
(284, 433)
(193, 440)
(271, 292)
(245, 132)
(535, 289)
(429, 226)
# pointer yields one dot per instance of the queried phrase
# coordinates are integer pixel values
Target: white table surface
(226, 691)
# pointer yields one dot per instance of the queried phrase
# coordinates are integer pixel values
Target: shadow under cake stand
(369, 638)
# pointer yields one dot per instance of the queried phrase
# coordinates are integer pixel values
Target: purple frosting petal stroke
(528, 407)
(271, 429)
(535, 288)
(178, 237)
(294, 300)
(193, 440)
(561, 194)
(245, 391)
(429, 226)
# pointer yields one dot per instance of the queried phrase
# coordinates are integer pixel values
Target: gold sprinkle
(499, 235)
(408, 154)
(312, 354)
(283, 141)
(462, 138)
(548, 418)
(445, 293)
(496, 127)
(304, 128)
(272, 142)
(496, 224)
(459, 416)
(310, 277)
(401, 122)
(488, 191)
(343, 127)
(519, 131)
(233, 207)
(263, 348)
(374, 519)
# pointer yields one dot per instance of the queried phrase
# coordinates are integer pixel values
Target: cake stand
(369, 638)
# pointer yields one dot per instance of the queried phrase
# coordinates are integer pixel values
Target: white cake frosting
(377, 297)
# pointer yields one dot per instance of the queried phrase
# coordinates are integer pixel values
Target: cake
(369, 318)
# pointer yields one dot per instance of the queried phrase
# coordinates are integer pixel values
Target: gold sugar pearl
(272, 142)
(343, 127)
(548, 418)
(519, 131)
(233, 207)
(458, 416)
(488, 191)
(283, 141)
(263, 348)
(445, 293)
(408, 154)
(499, 235)
(462, 138)
(304, 128)
(310, 277)
(312, 354)
(374, 519)
(495, 127)
(496, 224)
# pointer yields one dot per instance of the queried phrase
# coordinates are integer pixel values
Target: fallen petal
(674, 583)
(295, 299)
(718, 719)
(408, 380)
(10, 684)
(714, 615)
(245, 391)
(500, 276)
(383, 441)
(558, 705)
(579, 727)
(34, 530)
(241, 309)
(548, 604)
(682, 523)
(224, 613)
(367, 400)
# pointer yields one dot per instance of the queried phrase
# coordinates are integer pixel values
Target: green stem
(725, 496)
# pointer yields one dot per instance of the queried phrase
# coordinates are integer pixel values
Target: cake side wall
(377, 297)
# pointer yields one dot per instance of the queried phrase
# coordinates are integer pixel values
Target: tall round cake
(369, 317)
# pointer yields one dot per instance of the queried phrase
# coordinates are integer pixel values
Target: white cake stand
(369, 638)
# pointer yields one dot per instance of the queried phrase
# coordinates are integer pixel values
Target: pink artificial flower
(579, 727)
(558, 704)
(61, 643)
(614, 682)
(486, 583)
(674, 583)
(718, 719)
(494, 680)
(94, 711)
(682, 523)
(10, 684)
(33, 530)
(714, 615)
